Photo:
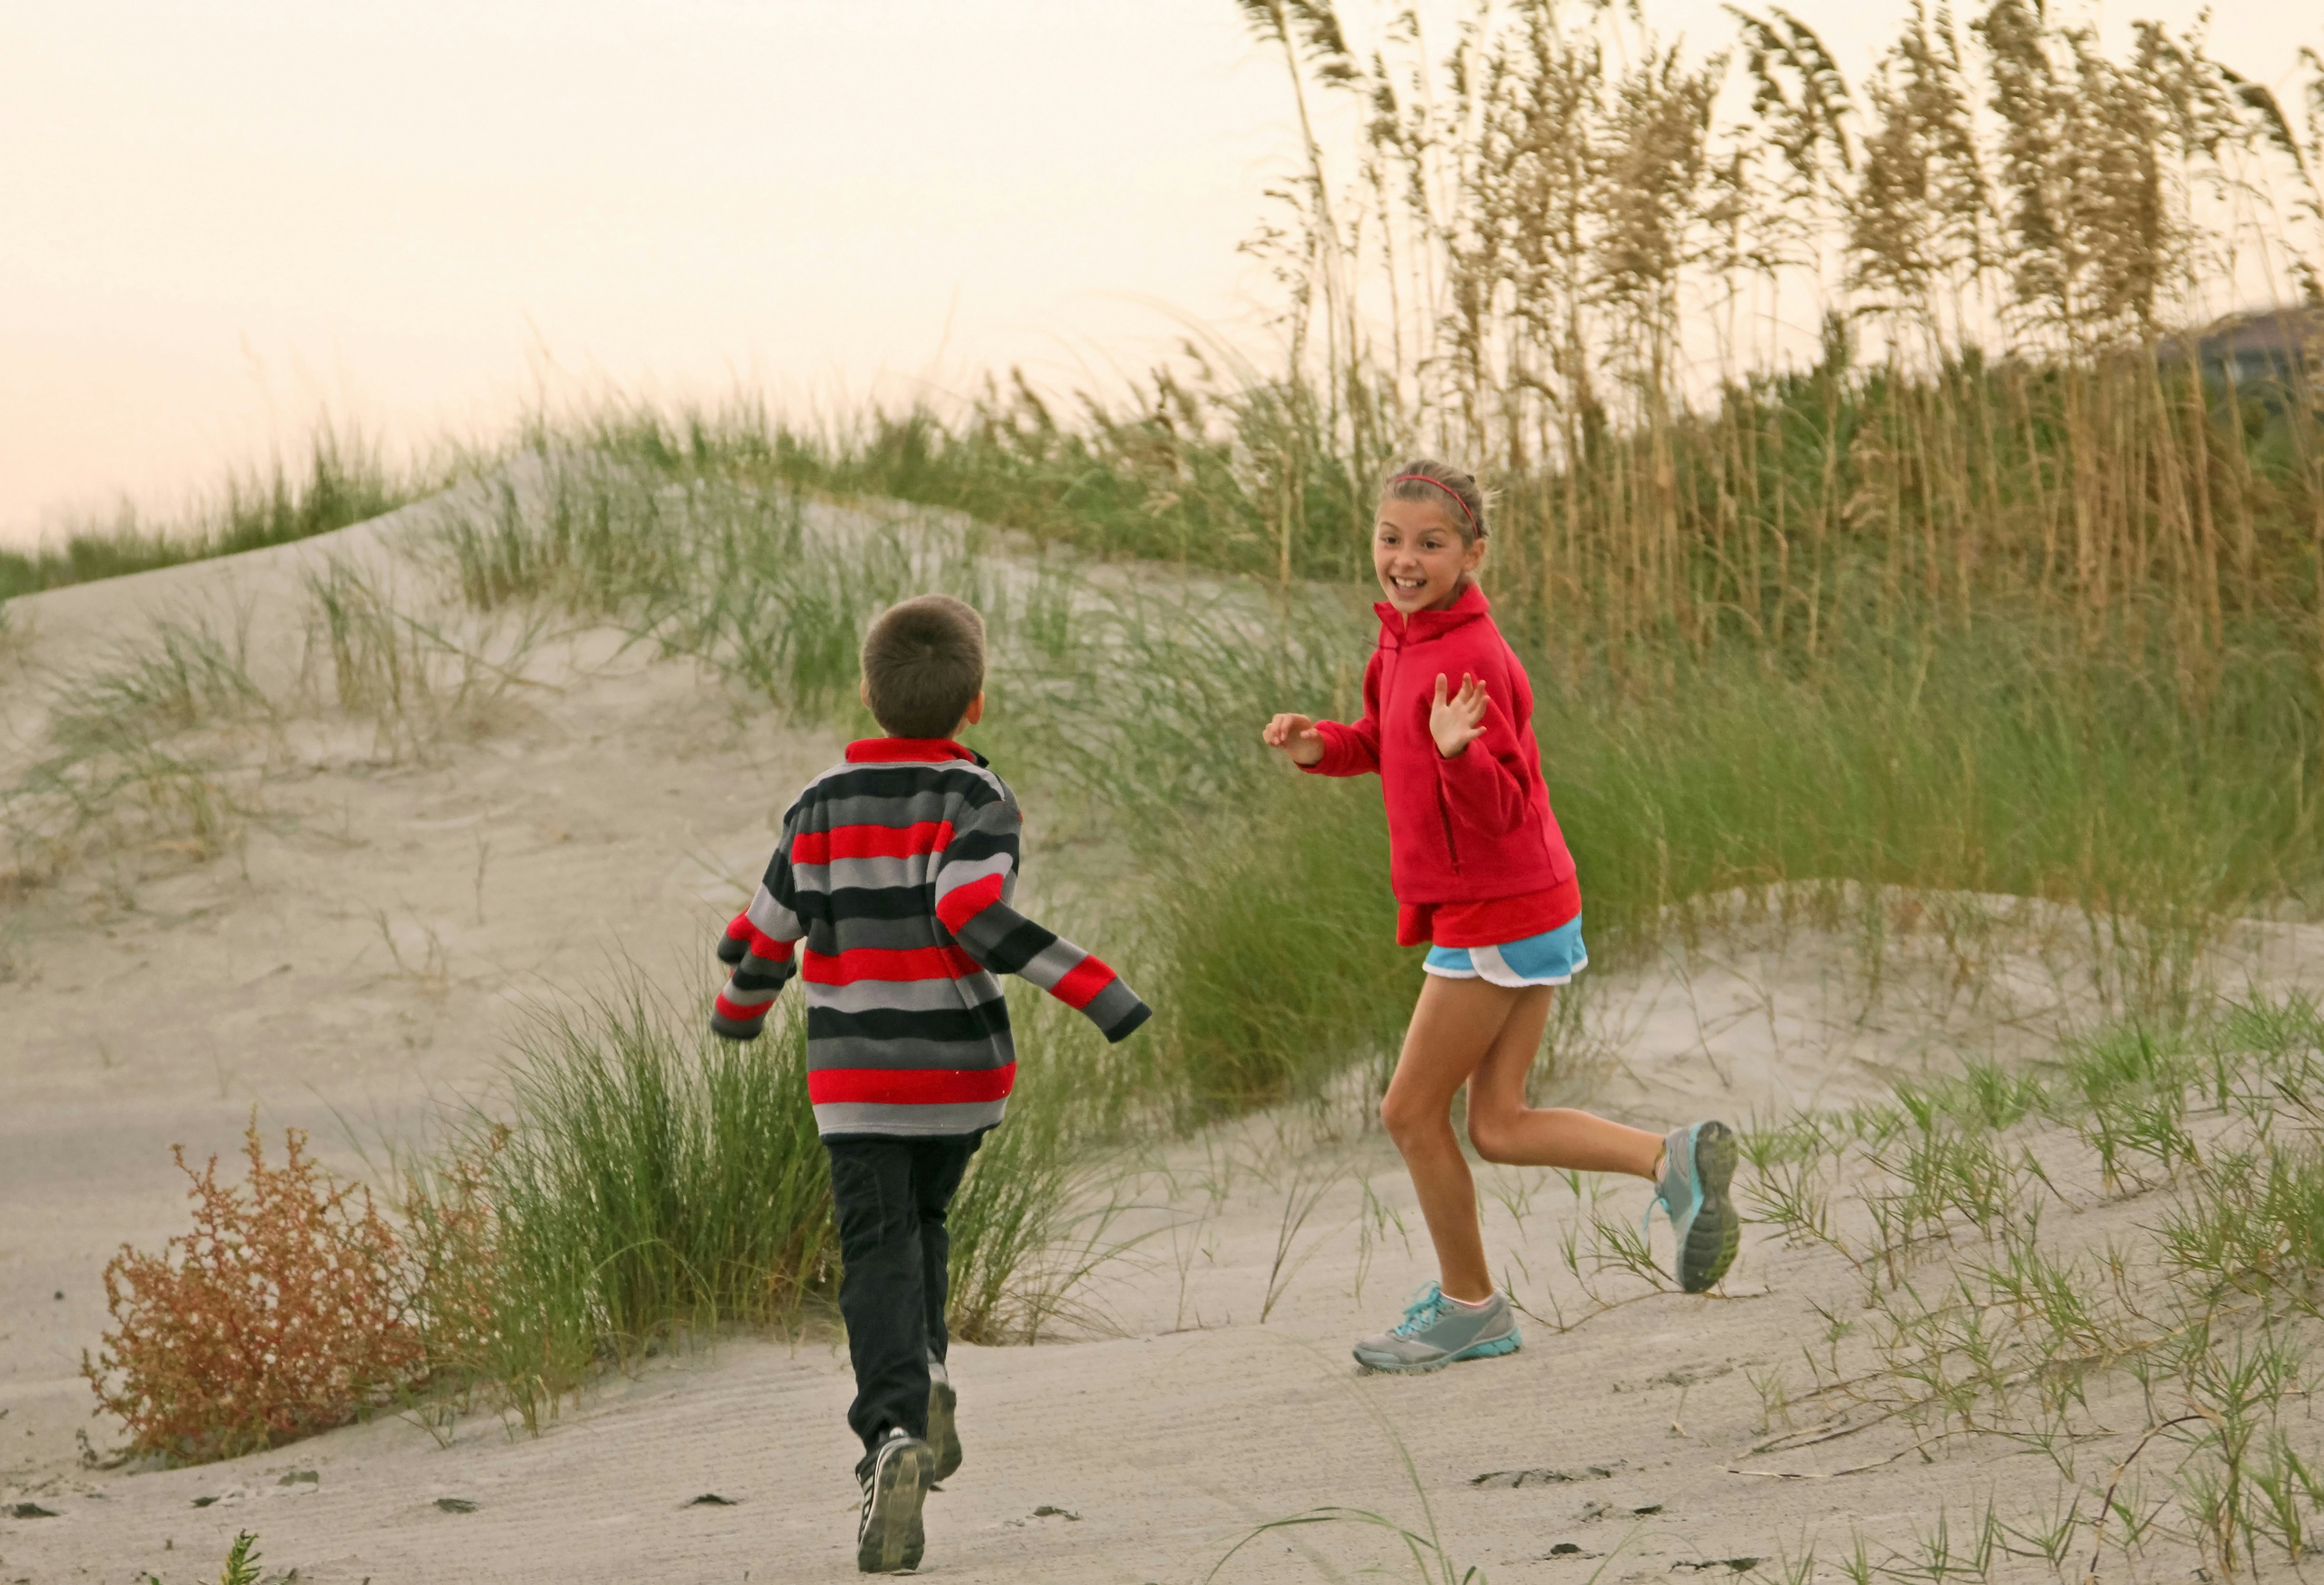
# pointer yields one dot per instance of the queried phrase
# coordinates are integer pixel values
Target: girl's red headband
(1423, 479)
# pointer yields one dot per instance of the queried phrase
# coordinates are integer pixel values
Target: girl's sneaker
(1436, 1330)
(888, 1538)
(943, 1430)
(1697, 1163)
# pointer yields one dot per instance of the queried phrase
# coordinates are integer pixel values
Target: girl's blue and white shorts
(1551, 958)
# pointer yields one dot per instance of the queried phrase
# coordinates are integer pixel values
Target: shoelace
(1421, 1312)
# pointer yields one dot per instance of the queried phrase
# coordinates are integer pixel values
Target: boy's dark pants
(890, 1196)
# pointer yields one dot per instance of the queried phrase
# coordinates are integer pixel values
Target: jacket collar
(1467, 607)
(916, 751)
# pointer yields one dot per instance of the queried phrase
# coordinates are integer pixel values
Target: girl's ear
(1474, 556)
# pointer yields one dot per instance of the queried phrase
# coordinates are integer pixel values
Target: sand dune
(355, 953)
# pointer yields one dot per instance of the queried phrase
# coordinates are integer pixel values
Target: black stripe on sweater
(1012, 950)
(896, 783)
(977, 1024)
(870, 902)
(967, 847)
(764, 974)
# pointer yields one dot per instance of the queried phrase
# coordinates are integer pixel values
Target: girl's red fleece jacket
(1477, 826)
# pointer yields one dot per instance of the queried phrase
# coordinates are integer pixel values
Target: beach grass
(343, 479)
(647, 1187)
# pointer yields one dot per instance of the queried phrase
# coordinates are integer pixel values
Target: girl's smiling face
(1420, 557)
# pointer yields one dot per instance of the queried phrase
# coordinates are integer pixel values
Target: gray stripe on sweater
(911, 996)
(962, 874)
(1051, 964)
(932, 803)
(921, 930)
(1109, 1006)
(861, 874)
(869, 1117)
(857, 1050)
(774, 919)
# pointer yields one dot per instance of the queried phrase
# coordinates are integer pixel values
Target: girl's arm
(1333, 748)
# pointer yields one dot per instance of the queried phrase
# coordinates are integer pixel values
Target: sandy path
(1623, 1436)
(1165, 1449)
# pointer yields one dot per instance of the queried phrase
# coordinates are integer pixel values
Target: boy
(888, 894)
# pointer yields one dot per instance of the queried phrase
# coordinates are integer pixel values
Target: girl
(1482, 873)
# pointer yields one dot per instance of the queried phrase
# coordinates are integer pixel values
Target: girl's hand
(1296, 736)
(1459, 721)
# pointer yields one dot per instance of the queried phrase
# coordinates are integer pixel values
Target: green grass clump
(649, 1183)
(1280, 935)
(132, 753)
(345, 481)
(2180, 1337)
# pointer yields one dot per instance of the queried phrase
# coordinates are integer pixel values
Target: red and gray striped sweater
(889, 895)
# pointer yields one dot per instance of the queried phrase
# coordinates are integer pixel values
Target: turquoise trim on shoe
(1698, 1163)
(1462, 1332)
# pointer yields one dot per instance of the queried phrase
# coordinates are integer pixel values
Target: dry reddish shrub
(454, 1263)
(281, 1314)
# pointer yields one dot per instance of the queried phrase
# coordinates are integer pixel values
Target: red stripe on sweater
(739, 927)
(916, 839)
(1082, 983)
(962, 903)
(885, 962)
(742, 1015)
(763, 946)
(910, 1086)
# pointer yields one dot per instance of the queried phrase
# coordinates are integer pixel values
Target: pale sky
(218, 218)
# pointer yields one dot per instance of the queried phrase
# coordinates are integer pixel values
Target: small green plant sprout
(241, 1563)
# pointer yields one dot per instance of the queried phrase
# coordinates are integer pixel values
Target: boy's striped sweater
(888, 894)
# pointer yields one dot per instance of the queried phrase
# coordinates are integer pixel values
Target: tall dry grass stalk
(1754, 356)
(1583, 259)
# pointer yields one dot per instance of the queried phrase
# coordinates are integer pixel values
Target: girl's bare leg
(1454, 1027)
(1504, 1129)
(1475, 1033)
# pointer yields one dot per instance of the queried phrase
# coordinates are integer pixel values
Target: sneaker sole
(1507, 1344)
(892, 1541)
(1714, 1232)
(944, 1433)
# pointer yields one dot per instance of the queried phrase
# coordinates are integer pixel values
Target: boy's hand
(1459, 721)
(1296, 736)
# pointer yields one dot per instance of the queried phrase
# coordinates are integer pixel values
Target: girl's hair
(1426, 478)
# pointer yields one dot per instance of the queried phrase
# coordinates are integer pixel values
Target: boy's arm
(970, 881)
(761, 945)
(1351, 748)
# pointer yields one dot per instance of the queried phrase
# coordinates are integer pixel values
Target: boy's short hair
(924, 666)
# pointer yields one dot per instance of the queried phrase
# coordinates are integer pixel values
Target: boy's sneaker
(1436, 1330)
(1697, 1163)
(944, 1433)
(887, 1539)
